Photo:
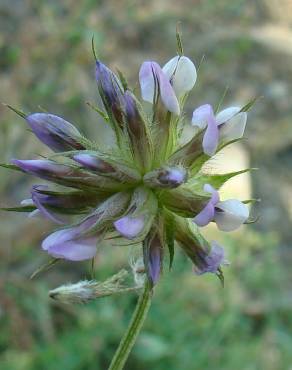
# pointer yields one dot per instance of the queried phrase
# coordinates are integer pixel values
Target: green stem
(133, 330)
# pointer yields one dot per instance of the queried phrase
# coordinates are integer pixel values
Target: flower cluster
(148, 188)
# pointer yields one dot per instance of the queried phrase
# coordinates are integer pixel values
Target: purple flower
(202, 117)
(153, 81)
(226, 126)
(79, 242)
(206, 257)
(72, 243)
(55, 132)
(212, 261)
(229, 215)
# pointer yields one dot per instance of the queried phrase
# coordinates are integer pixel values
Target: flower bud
(166, 177)
(66, 175)
(108, 166)
(85, 291)
(53, 203)
(153, 255)
(137, 130)
(43, 168)
(92, 162)
(111, 92)
(206, 257)
(55, 132)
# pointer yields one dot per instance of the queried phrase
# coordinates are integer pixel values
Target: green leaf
(216, 181)
(221, 99)
(123, 80)
(15, 110)
(46, 266)
(19, 209)
(169, 237)
(248, 106)
(220, 276)
(251, 201)
(180, 49)
(10, 166)
(99, 111)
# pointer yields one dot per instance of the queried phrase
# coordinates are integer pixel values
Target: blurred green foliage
(193, 324)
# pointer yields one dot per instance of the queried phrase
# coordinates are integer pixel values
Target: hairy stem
(133, 330)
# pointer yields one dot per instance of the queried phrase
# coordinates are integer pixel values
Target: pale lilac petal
(130, 227)
(74, 250)
(212, 261)
(205, 216)
(146, 77)
(175, 176)
(147, 83)
(215, 194)
(211, 136)
(201, 116)
(208, 213)
(182, 73)
(230, 214)
(37, 199)
(68, 244)
(234, 128)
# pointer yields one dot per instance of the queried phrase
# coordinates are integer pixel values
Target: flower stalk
(133, 330)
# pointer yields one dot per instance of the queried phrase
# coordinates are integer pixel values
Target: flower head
(147, 187)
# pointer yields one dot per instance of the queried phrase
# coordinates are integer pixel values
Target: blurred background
(46, 61)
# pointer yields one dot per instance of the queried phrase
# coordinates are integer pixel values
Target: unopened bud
(55, 132)
(166, 177)
(85, 291)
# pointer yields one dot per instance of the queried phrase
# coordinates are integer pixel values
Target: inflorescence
(149, 188)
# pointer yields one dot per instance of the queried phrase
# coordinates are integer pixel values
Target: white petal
(231, 214)
(182, 72)
(234, 128)
(27, 202)
(226, 114)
